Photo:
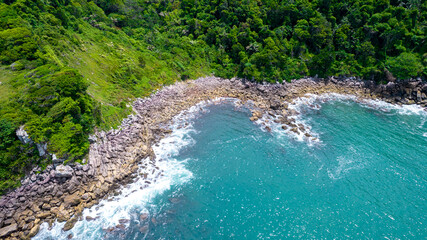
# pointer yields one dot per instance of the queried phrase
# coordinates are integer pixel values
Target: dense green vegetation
(68, 66)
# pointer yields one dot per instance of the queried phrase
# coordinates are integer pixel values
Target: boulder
(34, 231)
(261, 88)
(85, 168)
(72, 200)
(46, 206)
(92, 138)
(8, 230)
(275, 105)
(62, 216)
(70, 224)
(43, 215)
(63, 171)
(16, 66)
(56, 161)
(9, 221)
(23, 135)
(86, 197)
(42, 148)
(40, 190)
(89, 218)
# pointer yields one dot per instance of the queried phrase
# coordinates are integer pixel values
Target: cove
(227, 178)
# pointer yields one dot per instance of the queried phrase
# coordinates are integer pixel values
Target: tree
(69, 83)
(405, 66)
(7, 132)
(70, 142)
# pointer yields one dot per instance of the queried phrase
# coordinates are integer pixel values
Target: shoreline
(115, 156)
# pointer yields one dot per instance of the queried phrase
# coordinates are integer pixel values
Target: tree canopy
(67, 66)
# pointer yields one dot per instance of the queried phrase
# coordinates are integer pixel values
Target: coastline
(116, 155)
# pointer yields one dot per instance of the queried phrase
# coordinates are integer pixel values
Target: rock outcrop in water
(62, 192)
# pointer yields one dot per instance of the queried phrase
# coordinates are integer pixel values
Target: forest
(68, 67)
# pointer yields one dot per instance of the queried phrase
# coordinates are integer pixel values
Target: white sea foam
(276, 127)
(314, 102)
(400, 109)
(160, 175)
(346, 163)
(311, 102)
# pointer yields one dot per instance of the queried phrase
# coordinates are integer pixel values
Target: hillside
(70, 66)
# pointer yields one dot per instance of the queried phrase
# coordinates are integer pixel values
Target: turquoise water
(229, 179)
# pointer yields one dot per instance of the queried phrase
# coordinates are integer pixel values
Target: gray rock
(63, 171)
(56, 161)
(40, 190)
(85, 168)
(70, 224)
(89, 218)
(42, 147)
(23, 135)
(262, 88)
(85, 196)
(9, 221)
(16, 66)
(92, 138)
(8, 230)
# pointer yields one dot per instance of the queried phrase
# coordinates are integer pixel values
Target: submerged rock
(89, 218)
(154, 221)
(143, 216)
(144, 229)
(174, 200)
(120, 227)
(123, 221)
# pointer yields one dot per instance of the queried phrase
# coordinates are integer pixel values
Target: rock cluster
(62, 191)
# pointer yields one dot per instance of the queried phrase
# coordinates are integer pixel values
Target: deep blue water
(365, 179)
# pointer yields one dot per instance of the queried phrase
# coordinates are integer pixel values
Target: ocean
(363, 176)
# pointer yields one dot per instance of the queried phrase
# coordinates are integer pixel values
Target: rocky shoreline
(63, 192)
